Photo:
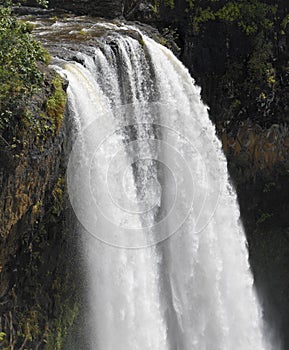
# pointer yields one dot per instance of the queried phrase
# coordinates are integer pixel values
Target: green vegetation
(20, 76)
(43, 3)
(249, 16)
(239, 49)
(55, 104)
(32, 99)
(170, 3)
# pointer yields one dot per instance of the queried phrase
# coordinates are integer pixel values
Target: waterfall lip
(70, 30)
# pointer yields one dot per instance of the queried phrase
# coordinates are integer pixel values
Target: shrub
(19, 73)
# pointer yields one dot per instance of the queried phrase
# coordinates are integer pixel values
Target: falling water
(165, 252)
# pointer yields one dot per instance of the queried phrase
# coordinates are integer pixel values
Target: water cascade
(165, 252)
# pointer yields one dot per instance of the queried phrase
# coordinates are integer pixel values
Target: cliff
(239, 56)
(35, 305)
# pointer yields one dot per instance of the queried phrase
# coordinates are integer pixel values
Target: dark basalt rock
(105, 8)
(35, 275)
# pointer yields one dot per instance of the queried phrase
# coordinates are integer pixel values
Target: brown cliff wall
(37, 299)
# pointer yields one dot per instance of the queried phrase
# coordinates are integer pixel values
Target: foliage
(248, 15)
(19, 73)
(170, 3)
(43, 3)
(238, 51)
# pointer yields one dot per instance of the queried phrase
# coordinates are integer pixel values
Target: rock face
(104, 8)
(35, 305)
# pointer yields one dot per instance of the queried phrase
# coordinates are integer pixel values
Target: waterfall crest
(166, 256)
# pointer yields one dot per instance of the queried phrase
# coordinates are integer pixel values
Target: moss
(38, 124)
(58, 196)
(55, 105)
(168, 38)
(163, 41)
(142, 43)
(55, 337)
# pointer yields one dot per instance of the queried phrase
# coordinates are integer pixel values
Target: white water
(153, 172)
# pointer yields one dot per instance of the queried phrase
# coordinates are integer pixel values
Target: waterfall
(164, 248)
